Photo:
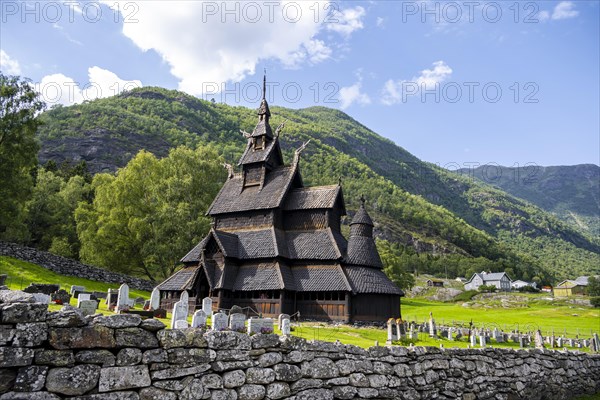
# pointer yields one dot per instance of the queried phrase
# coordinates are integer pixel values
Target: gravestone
(146, 305)
(123, 298)
(539, 340)
(76, 288)
(459, 335)
(199, 319)
(522, 342)
(237, 322)
(285, 327)
(179, 313)
(401, 329)
(560, 342)
(159, 313)
(185, 302)
(449, 334)
(586, 343)
(111, 299)
(260, 325)
(236, 310)
(432, 328)
(391, 331)
(45, 288)
(280, 320)
(3, 279)
(219, 321)
(181, 324)
(570, 342)
(595, 344)
(83, 297)
(473, 339)
(87, 307)
(139, 300)
(207, 306)
(99, 295)
(414, 335)
(482, 340)
(155, 299)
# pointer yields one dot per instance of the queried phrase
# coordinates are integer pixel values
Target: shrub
(528, 289)
(595, 301)
(487, 288)
(465, 296)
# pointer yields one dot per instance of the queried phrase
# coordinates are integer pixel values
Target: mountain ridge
(414, 203)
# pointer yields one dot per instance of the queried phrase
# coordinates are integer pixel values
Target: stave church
(276, 246)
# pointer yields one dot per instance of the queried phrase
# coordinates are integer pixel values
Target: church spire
(263, 109)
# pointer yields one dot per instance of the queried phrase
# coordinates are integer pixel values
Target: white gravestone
(449, 337)
(219, 322)
(207, 306)
(237, 322)
(88, 307)
(391, 331)
(432, 329)
(400, 329)
(286, 328)
(482, 340)
(185, 299)
(199, 319)
(260, 325)
(41, 298)
(179, 313)
(83, 297)
(473, 339)
(123, 297)
(181, 324)
(280, 320)
(155, 299)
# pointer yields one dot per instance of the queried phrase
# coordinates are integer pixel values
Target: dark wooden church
(276, 245)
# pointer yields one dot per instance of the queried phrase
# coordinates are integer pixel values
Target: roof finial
(265, 84)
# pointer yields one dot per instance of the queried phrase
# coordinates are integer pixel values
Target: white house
(498, 279)
(518, 284)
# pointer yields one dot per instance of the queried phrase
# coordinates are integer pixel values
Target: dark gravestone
(3, 279)
(45, 288)
(61, 297)
(160, 313)
(99, 295)
(236, 310)
(139, 300)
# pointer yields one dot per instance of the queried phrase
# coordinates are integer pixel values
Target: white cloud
(352, 94)
(564, 10)
(8, 65)
(207, 42)
(429, 79)
(61, 89)
(346, 21)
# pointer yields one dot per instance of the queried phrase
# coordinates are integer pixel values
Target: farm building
(435, 283)
(276, 245)
(569, 288)
(498, 279)
(518, 284)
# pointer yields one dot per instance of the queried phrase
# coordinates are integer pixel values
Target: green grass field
(21, 274)
(537, 314)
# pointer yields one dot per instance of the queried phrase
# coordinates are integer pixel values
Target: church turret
(262, 151)
(361, 245)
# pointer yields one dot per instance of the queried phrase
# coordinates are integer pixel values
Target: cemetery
(72, 353)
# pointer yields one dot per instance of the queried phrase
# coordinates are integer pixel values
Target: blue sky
(454, 83)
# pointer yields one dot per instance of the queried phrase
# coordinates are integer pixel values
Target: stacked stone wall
(52, 355)
(69, 267)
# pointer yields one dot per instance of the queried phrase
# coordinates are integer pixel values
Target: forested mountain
(570, 192)
(427, 211)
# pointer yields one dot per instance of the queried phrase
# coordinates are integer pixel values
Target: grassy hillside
(414, 203)
(21, 274)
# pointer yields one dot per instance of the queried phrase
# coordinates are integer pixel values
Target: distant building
(547, 289)
(569, 288)
(498, 279)
(435, 283)
(518, 284)
(461, 279)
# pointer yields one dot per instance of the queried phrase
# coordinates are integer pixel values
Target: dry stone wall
(53, 355)
(69, 267)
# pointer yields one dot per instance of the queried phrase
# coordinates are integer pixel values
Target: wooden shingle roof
(370, 280)
(180, 280)
(252, 155)
(258, 276)
(315, 278)
(231, 198)
(320, 197)
(363, 251)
